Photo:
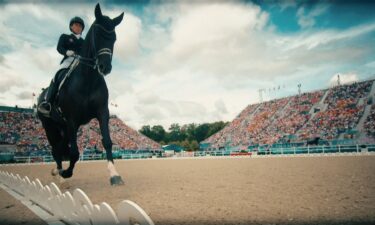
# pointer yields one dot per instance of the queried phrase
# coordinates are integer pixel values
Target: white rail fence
(308, 150)
(73, 208)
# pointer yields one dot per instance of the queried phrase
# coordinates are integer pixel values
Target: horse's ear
(98, 12)
(117, 20)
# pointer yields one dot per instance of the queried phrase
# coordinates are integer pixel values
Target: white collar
(78, 36)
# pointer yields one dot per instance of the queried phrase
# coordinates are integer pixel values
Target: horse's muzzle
(104, 69)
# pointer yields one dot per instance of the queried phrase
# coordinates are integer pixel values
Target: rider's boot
(45, 106)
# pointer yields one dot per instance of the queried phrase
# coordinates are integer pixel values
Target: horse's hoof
(54, 172)
(63, 184)
(66, 173)
(116, 180)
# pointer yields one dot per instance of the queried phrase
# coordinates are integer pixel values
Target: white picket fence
(73, 208)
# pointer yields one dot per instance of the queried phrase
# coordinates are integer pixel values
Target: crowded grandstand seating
(294, 119)
(25, 131)
(264, 118)
(123, 137)
(325, 116)
(342, 114)
(370, 123)
(237, 127)
(267, 122)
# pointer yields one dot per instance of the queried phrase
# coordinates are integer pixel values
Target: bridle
(94, 61)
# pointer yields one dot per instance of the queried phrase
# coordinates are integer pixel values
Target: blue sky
(184, 62)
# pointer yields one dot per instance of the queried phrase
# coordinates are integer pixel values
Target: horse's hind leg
(57, 156)
(55, 139)
(107, 143)
(58, 160)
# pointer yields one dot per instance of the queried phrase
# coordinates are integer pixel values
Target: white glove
(70, 53)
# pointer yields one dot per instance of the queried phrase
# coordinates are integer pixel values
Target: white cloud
(286, 4)
(26, 70)
(9, 80)
(302, 20)
(307, 19)
(345, 78)
(370, 64)
(25, 95)
(226, 50)
(27, 21)
(310, 40)
(215, 38)
(220, 106)
(187, 63)
(128, 34)
(230, 41)
(118, 84)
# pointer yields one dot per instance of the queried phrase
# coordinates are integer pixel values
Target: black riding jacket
(69, 42)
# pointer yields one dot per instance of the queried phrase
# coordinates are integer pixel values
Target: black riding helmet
(77, 20)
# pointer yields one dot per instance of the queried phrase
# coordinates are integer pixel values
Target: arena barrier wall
(10, 159)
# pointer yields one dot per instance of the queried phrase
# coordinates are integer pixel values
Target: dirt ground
(313, 190)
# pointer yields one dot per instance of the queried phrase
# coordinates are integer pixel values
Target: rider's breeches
(52, 90)
(66, 63)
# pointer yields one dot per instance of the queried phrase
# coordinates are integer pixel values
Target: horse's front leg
(73, 153)
(57, 142)
(107, 143)
(57, 152)
(58, 160)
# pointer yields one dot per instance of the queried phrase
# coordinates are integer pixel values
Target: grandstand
(343, 114)
(21, 129)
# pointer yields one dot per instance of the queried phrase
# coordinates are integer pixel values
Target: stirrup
(42, 109)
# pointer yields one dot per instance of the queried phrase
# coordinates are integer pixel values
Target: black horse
(84, 96)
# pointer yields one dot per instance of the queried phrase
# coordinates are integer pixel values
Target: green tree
(158, 133)
(194, 145)
(201, 132)
(187, 136)
(215, 127)
(175, 133)
(146, 130)
(185, 144)
(190, 130)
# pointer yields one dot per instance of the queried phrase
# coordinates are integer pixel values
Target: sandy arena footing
(287, 190)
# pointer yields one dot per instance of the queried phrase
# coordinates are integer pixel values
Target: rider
(68, 46)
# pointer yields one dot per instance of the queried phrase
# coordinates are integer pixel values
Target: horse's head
(103, 39)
